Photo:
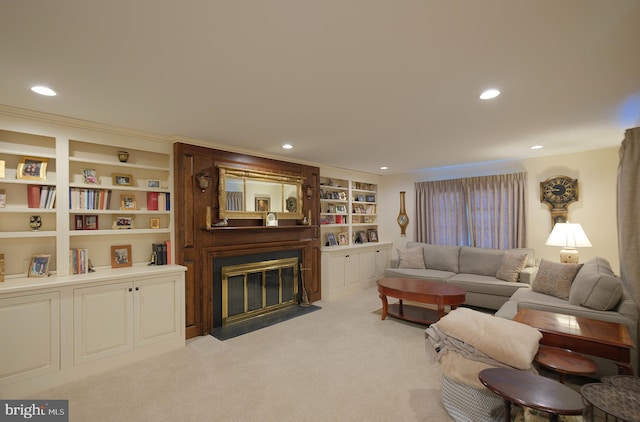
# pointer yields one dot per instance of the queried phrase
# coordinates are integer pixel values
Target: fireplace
(250, 286)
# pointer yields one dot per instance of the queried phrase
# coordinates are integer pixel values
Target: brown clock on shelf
(403, 218)
(558, 192)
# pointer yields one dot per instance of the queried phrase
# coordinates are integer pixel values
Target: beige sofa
(473, 269)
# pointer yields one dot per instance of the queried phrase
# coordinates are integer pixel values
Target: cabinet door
(352, 268)
(157, 315)
(337, 270)
(30, 336)
(103, 321)
(367, 266)
(382, 261)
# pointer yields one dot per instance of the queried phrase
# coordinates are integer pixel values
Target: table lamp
(570, 236)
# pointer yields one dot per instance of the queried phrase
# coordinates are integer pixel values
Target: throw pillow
(411, 258)
(511, 266)
(555, 278)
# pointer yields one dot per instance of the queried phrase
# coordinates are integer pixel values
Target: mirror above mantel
(249, 194)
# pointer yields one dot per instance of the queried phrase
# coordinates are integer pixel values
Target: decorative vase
(35, 222)
(123, 156)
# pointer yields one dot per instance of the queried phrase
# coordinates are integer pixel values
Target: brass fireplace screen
(253, 289)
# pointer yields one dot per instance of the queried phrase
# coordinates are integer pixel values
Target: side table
(534, 391)
(565, 362)
(625, 381)
(622, 403)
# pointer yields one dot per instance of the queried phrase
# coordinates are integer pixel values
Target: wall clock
(403, 218)
(558, 192)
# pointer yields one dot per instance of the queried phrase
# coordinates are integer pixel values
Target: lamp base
(569, 256)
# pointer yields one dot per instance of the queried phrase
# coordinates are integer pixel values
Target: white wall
(595, 209)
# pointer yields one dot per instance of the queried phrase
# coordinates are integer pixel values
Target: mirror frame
(261, 176)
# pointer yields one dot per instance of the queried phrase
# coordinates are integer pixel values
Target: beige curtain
(629, 212)
(487, 211)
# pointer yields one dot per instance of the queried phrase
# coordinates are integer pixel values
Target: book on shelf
(89, 199)
(3, 198)
(161, 252)
(79, 261)
(152, 201)
(41, 196)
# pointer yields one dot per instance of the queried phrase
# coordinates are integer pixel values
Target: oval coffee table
(531, 390)
(421, 291)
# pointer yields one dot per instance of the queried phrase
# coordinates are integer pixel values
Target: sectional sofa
(477, 270)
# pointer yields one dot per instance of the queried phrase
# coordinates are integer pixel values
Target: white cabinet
(116, 318)
(30, 336)
(347, 270)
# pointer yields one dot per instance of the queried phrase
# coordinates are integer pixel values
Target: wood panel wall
(195, 247)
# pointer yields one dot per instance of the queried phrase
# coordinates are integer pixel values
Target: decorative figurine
(222, 223)
(35, 222)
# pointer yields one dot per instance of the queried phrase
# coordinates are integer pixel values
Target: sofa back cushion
(482, 261)
(412, 258)
(596, 286)
(439, 257)
(555, 278)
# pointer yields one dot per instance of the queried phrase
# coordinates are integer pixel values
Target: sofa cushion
(512, 264)
(483, 284)
(411, 258)
(421, 274)
(481, 261)
(554, 278)
(441, 257)
(596, 286)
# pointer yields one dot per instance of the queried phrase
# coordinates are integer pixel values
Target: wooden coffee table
(534, 391)
(421, 291)
(608, 340)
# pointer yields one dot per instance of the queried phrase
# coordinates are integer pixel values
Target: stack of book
(161, 253)
(41, 196)
(79, 261)
(158, 201)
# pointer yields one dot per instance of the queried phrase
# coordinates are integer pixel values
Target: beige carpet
(341, 363)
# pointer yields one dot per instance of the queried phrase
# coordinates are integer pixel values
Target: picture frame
(360, 198)
(262, 203)
(79, 222)
(32, 168)
(119, 179)
(121, 256)
(90, 222)
(123, 222)
(361, 237)
(343, 238)
(372, 235)
(370, 198)
(154, 223)
(342, 196)
(368, 219)
(39, 266)
(341, 208)
(90, 176)
(331, 239)
(128, 202)
(153, 183)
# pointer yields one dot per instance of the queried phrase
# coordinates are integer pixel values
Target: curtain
(628, 199)
(487, 211)
(235, 201)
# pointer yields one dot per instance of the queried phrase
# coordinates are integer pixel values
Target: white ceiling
(350, 83)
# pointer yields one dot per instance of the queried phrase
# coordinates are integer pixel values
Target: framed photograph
(331, 239)
(90, 176)
(361, 237)
(343, 238)
(342, 196)
(154, 223)
(79, 222)
(32, 168)
(122, 222)
(39, 266)
(127, 202)
(360, 198)
(153, 183)
(341, 208)
(122, 179)
(372, 234)
(262, 203)
(371, 198)
(121, 256)
(368, 219)
(91, 222)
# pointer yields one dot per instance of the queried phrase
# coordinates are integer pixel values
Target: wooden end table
(421, 291)
(605, 339)
(530, 390)
(565, 362)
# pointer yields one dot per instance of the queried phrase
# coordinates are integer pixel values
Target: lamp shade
(568, 235)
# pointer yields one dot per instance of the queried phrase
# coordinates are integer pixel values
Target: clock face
(403, 220)
(559, 190)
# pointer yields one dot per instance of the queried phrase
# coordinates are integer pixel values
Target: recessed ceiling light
(43, 90)
(489, 94)
(536, 146)
(287, 146)
(384, 168)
